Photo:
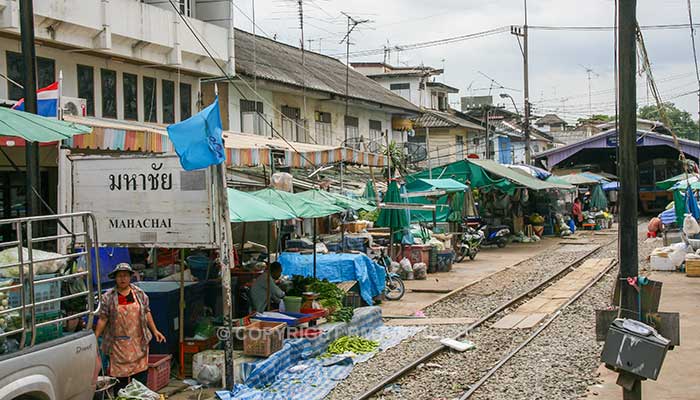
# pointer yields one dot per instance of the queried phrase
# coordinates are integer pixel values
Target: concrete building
(276, 94)
(550, 123)
(415, 84)
(129, 60)
(124, 63)
(447, 137)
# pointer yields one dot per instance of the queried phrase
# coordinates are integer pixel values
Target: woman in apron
(126, 326)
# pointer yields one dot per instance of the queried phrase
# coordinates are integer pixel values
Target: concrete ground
(678, 379)
(489, 260)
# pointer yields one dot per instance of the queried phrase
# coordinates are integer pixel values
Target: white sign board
(145, 200)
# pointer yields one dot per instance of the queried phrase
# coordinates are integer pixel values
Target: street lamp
(506, 95)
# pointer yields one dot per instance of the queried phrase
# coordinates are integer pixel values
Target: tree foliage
(682, 123)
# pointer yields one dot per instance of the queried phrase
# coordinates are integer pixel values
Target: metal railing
(24, 286)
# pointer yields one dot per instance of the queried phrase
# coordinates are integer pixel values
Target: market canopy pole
(627, 67)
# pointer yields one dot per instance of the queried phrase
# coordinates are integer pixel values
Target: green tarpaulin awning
(298, 206)
(467, 173)
(426, 185)
(35, 128)
(445, 210)
(520, 179)
(335, 199)
(668, 183)
(244, 207)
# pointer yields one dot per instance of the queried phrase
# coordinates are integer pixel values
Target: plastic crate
(158, 371)
(42, 292)
(189, 348)
(444, 260)
(47, 332)
(261, 338)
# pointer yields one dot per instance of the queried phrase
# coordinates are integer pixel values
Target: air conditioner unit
(74, 106)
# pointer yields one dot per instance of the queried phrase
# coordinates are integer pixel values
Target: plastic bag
(690, 225)
(11, 256)
(282, 181)
(136, 390)
(209, 374)
(420, 271)
(406, 271)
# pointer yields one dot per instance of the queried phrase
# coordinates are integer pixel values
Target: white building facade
(129, 60)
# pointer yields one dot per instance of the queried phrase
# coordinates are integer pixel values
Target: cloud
(558, 79)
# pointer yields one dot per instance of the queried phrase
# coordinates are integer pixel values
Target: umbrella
(244, 207)
(598, 199)
(611, 186)
(370, 194)
(693, 181)
(692, 203)
(577, 179)
(679, 205)
(35, 128)
(300, 207)
(392, 218)
(321, 196)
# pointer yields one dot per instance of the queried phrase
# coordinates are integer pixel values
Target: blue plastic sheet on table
(264, 371)
(338, 268)
(271, 378)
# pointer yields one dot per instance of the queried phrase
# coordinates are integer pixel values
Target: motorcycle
(470, 243)
(394, 288)
(495, 235)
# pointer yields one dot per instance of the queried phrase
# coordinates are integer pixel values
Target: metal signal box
(634, 347)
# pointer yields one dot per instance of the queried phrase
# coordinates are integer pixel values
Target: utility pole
(352, 24)
(427, 145)
(627, 164)
(522, 32)
(31, 150)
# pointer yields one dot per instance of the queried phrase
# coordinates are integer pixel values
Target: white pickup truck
(62, 366)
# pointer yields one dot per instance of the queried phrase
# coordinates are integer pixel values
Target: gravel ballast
(449, 374)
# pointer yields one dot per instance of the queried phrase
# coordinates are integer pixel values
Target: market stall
(339, 267)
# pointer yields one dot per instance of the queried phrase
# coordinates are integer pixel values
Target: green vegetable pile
(342, 314)
(354, 344)
(329, 295)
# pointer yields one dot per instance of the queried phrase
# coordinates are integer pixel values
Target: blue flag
(197, 140)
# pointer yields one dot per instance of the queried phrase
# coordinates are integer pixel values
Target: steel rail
(439, 348)
(535, 333)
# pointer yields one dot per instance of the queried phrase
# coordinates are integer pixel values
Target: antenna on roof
(352, 24)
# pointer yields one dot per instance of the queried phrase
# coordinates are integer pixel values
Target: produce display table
(338, 268)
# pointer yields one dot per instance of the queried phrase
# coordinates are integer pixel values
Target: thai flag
(46, 101)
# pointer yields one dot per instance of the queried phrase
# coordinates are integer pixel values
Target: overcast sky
(558, 59)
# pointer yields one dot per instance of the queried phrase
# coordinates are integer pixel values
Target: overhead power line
(503, 29)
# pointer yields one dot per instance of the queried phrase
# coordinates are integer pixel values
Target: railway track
(485, 321)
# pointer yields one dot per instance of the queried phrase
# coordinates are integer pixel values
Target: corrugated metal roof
(281, 63)
(440, 119)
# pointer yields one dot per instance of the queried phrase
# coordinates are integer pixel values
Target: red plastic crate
(158, 371)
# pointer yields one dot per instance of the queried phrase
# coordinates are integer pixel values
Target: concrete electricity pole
(522, 32)
(627, 164)
(31, 150)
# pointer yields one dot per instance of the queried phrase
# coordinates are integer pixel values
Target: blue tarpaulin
(691, 203)
(338, 268)
(197, 139)
(271, 379)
